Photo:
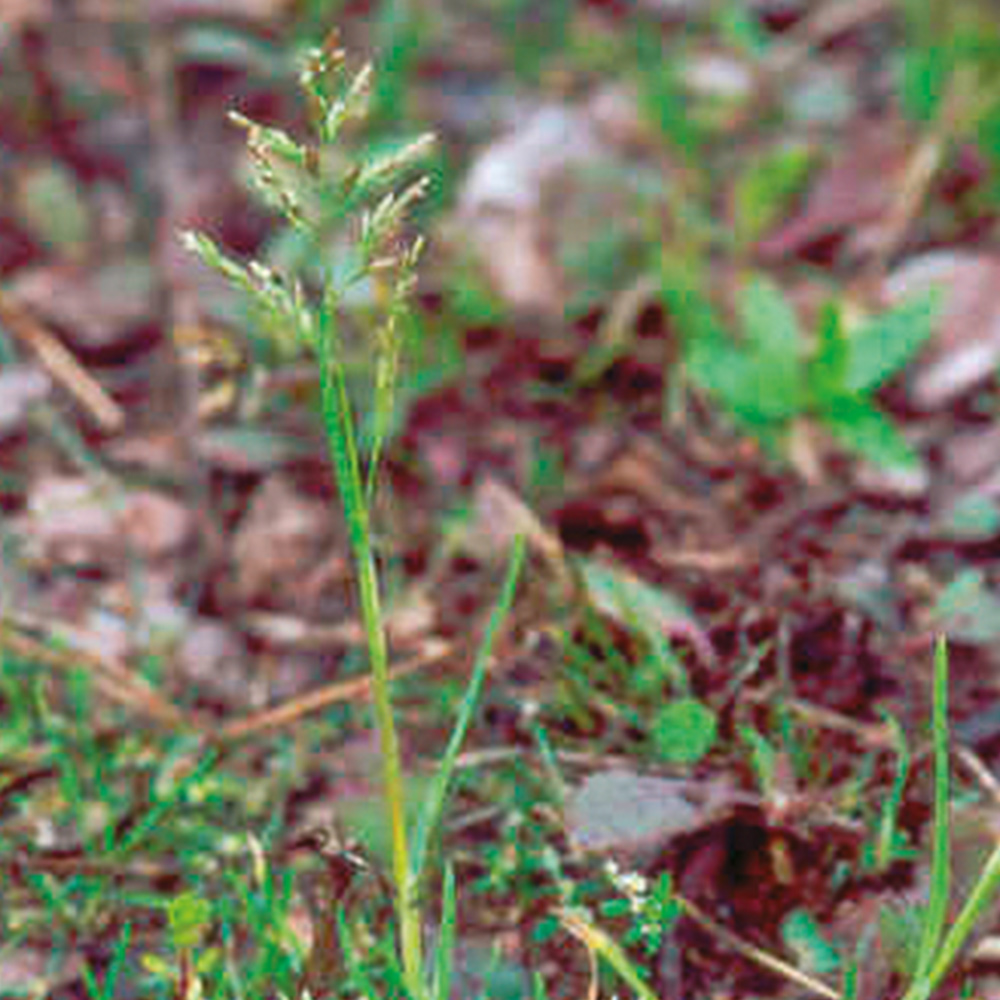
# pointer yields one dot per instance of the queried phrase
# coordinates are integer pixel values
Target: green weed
(775, 376)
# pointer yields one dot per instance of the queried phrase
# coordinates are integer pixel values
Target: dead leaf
(105, 309)
(500, 206)
(500, 515)
(248, 449)
(69, 521)
(281, 539)
(619, 811)
(74, 521)
(26, 970)
(156, 524)
(850, 198)
(265, 12)
(965, 346)
(212, 657)
(21, 387)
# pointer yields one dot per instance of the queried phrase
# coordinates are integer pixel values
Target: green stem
(392, 773)
(339, 423)
(937, 905)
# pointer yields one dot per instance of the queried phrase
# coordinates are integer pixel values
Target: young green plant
(773, 377)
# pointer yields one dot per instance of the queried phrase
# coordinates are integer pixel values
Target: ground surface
(719, 660)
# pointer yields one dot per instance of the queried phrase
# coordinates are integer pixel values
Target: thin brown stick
(330, 694)
(923, 167)
(754, 954)
(977, 768)
(114, 679)
(873, 734)
(60, 363)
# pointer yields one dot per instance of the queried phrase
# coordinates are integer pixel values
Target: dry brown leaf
(21, 386)
(500, 207)
(500, 515)
(965, 346)
(621, 812)
(104, 309)
(73, 520)
(279, 542)
(850, 198)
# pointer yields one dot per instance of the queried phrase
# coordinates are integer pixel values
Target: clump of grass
(372, 199)
(938, 949)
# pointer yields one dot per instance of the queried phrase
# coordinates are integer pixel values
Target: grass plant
(938, 948)
(290, 174)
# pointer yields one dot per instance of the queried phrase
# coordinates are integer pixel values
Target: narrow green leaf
(983, 893)
(925, 73)
(441, 986)
(433, 806)
(937, 906)
(764, 189)
(888, 830)
(625, 598)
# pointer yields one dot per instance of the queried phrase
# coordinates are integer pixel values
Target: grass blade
(937, 906)
(433, 806)
(983, 893)
(441, 987)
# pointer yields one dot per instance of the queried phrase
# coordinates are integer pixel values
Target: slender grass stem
(937, 906)
(343, 451)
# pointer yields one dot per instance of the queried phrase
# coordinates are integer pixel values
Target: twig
(924, 164)
(60, 363)
(983, 775)
(331, 694)
(754, 954)
(877, 735)
(114, 679)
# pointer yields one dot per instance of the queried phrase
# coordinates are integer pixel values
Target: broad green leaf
(769, 320)
(684, 731)
(774, 340)
(713, 361)
(690, 307)
(736, 380)
(866, 431)
(188, 916)
(885, 343)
